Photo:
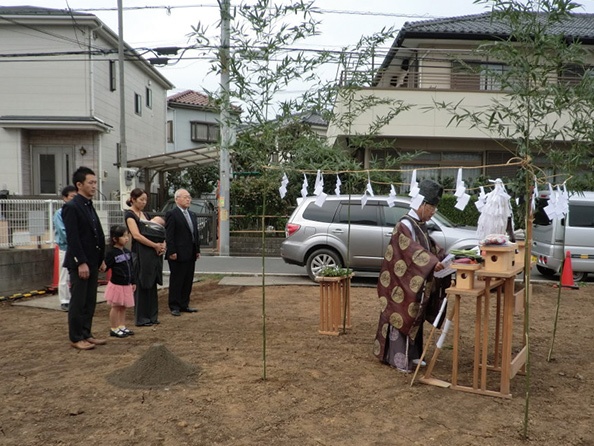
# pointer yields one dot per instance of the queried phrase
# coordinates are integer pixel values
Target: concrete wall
(252, 246)
(24, 270)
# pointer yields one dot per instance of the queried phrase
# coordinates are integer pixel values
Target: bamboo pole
(263, 288)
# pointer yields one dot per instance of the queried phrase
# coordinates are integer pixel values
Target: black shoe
(175, 313)
(156, 322)
(146, 324)
(118, 333)
(190, 310)
(64, 307)
(127, 331)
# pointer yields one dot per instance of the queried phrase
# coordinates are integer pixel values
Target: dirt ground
(319, 390)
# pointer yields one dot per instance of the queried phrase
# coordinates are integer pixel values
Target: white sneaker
(416, 362)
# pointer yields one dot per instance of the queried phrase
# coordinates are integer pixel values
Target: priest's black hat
(431, 190)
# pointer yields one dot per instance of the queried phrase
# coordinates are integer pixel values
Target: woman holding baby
(148, 247)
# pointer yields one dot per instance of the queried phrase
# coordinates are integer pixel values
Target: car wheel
(579, 277)
(319, 260)
(545, 271)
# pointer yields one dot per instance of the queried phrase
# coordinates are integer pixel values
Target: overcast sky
(343, 23)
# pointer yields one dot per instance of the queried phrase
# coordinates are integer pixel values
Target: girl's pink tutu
(119, 295)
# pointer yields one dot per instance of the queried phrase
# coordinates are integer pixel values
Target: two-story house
(426, 65)
(60, 101)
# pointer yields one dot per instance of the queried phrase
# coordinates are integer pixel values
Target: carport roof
(178, 160)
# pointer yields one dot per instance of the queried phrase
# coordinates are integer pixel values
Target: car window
(198, 208)
(323, 214)
(581, 216)
(443, 220)
(392, 215)
(368, 215)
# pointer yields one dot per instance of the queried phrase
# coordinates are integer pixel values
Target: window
(581, 216)
(112, 76)
(323, 214)
(367, 215)
(204, 132)
(137, 104)
(478, 76)
(392, 215)
(149, 98)
(572, 74)
(169, 131)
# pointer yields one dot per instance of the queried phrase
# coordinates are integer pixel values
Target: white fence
(30, 223)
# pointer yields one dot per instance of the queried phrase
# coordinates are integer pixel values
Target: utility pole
(225, 116)
(123, 153)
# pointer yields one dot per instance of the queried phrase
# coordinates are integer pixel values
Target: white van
(553, 238)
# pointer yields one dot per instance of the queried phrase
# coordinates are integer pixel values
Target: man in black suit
(84, 258)
(183, 248)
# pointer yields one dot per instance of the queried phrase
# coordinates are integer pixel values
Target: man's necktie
(189, 220)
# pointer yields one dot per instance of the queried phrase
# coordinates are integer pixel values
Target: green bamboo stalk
(556, 318)
(347, 283)
(263, 287)
(527, 264)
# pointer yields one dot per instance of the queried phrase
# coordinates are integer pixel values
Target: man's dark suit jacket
(179, 237)
(86, 241)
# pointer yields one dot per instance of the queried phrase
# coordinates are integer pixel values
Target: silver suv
(318, 237)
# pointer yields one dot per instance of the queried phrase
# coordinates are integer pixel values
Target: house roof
(192, 98)
(34, 10)
(482, 27)
(54, 122)
(312, 118)
(195, 100)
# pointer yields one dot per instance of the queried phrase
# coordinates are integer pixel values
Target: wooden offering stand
(334, 292)
(498, 275)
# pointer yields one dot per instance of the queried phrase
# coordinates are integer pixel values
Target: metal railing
(30, 223)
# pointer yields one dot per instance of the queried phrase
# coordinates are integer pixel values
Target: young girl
(119, 292)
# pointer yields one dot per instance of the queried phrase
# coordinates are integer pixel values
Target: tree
(544, 111)
(266, 61)
(197, 180)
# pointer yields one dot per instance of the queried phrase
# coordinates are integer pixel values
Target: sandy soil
(319, 390)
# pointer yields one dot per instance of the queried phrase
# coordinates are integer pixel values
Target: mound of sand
(157, 368)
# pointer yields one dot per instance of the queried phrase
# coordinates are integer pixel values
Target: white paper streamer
(392, 197)
(283, 187)
(304, 187)
(414, 186)
(319, 184)
(338, 184)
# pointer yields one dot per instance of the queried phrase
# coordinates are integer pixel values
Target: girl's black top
(120, 263)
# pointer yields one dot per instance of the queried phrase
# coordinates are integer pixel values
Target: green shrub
(469, 216)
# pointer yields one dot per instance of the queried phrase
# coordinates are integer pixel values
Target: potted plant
(335, 300)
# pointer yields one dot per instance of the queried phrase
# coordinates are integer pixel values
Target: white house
(192, 121)
(422, 68)
(60, 101)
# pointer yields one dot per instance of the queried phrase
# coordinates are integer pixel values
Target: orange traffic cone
(57, 266)
(567, 275)
(106, 279)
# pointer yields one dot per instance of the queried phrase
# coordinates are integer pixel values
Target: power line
(322, 11)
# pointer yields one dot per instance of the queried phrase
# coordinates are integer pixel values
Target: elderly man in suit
(183, 248)
(84, 258)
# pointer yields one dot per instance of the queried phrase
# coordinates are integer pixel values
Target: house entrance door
(52, 168)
